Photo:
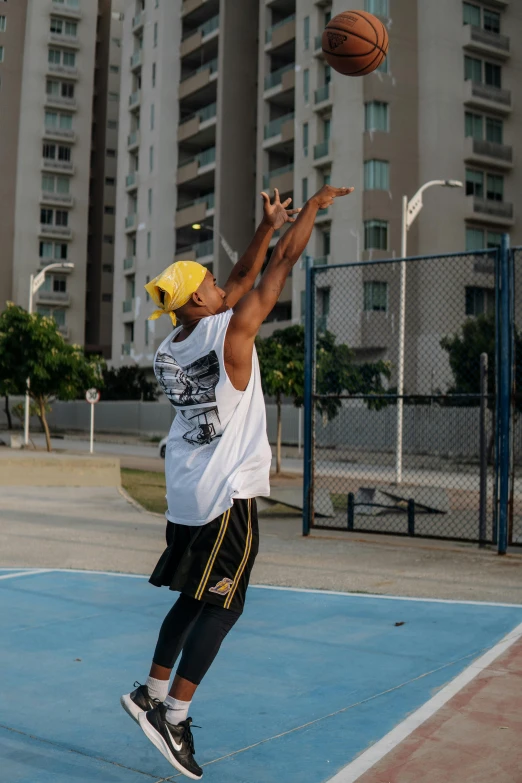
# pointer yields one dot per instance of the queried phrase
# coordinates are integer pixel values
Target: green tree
(128, 383)
(31, 347)
(281, 358)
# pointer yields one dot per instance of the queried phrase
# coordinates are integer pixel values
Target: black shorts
(212, 562)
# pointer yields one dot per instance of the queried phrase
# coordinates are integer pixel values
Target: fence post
(504, 396)
(411, 517)
(308, 476)
(351, 510)
(483, 448)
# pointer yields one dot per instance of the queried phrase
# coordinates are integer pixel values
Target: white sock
(158, 689)
(177, 710)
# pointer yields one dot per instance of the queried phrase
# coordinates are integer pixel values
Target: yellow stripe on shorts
(244, 561)
(213, 554)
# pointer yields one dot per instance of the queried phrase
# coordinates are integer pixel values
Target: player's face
(210, 294)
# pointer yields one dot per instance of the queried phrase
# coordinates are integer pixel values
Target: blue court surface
(304, 683)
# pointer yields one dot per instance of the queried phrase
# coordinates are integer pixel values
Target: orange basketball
(355, 43)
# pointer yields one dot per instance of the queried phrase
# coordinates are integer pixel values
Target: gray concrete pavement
(99, 529)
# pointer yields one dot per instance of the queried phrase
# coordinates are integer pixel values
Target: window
(495, 187)
(55, 184)
(153, 74)
(327, 128)
(376, 235)
(64, 153)
(69, 59)
(52, 87)
(305, 139)
(147, 295)
(326, 243)
(59, 317)
(46, 217)
(49, 151)
(3, 24)
(147, 331)
(56, 250)
(106, 297)
(377, 116)
(324, 302)
(111, 153)
(378, 7)
(306, 85)
(148, 244)
(474, 125)
(149, 201)
(1, 54)
(114, 68)
(152, 113)
(383, 67)
(109, 210)
(494, 239)
(112, 124)
(151, 158)
(494, 130)
(71, 28)
(67, 90)
(474, 239)
(376, 297)
(155, 34)
(110, 181)
(479, 301)
(491, 21)
(108, 239)
(56, 25)
(376, 175)
(63, 185)
(471, 14)
(474, 183)
(306, 32)
(59, 284)
(61, 217)
(54, 57)
(473, 69)
(108, 268)
(304, 190)
(493, 75)
(116, 41)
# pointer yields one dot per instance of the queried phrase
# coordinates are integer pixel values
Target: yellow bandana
(179, 281)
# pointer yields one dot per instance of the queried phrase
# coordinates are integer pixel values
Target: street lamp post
(410, 210)
(35, 282)
(232, 254)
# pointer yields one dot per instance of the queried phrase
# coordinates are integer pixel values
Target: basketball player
(217, 462)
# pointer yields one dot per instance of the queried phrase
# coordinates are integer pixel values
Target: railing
(67, 9)
(276, 77)
(211, 66)
(127, 306)
(134, 98)
(204, 248)
(63, 38)
(62, 133)
(66, 70)
(274, 127)
(126, 349)
(493, 150)
(270, 30)
(321, 149)
(490, 39)
(128, 263)
(54, 296)
(318, 42)
(136, 59)
(60, 198)
(490, 93)
(130, 221)
(60, 100)
(131, 179)
(58, 165)
(137, 20)
(206, 157)
(204, 114)
(133, 138)
(205, 29)
(501, 209)
(276, 173)
(56, 231)
(322, 93)
(209, 200)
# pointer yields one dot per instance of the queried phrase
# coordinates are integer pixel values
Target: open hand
(276, 214)
(325, 197)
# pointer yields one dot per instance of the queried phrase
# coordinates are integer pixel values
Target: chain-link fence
(515, 505)
(406, 463)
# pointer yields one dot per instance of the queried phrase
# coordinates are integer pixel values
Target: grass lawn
(146, 487)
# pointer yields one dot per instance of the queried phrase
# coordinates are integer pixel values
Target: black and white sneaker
(138, 701)
(175, 742)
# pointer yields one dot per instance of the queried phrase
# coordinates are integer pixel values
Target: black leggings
(197, 628)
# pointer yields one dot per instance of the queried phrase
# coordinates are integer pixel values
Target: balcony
(195, 211)
(199, 121)
(131, 181)
(280, 130)
(200, 164)
(57, 199)
(56, 232)
(204, 249)
(64, 166)
(487, 97)
(53, 298)
(59, 134)
(322, 150)
(64, 9)
(138, 21)
(129, 265)
(130, 222)
(128, 305)
(475, 39)
(126, 349)
(281, 33)
(193, 39)
(281, 178)
(60, 102)
(71, 72)
(136, 60)
(498, 213)
(135, 100)
(486, 153)
(318, 45)
(279, 81)
(133, 140)
(323, 97)
(70, 41)
(198, 78)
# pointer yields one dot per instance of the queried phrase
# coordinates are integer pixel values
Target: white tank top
(217, 448)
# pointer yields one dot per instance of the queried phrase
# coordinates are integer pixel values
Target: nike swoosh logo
(176, 746)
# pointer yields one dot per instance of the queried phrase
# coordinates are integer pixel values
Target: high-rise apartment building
(51, 60)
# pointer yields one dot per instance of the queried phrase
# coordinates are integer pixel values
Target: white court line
(370, 757)
(25, 573)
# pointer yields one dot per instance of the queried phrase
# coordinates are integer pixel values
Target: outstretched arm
(253, 308)
(245, 272)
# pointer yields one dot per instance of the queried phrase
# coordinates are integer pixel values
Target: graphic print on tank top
(189, 388)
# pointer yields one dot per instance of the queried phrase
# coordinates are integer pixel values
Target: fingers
(291, 220)
(277, 200)
(286, 203)
(293, 211)
(265, 197)
(342, 191)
